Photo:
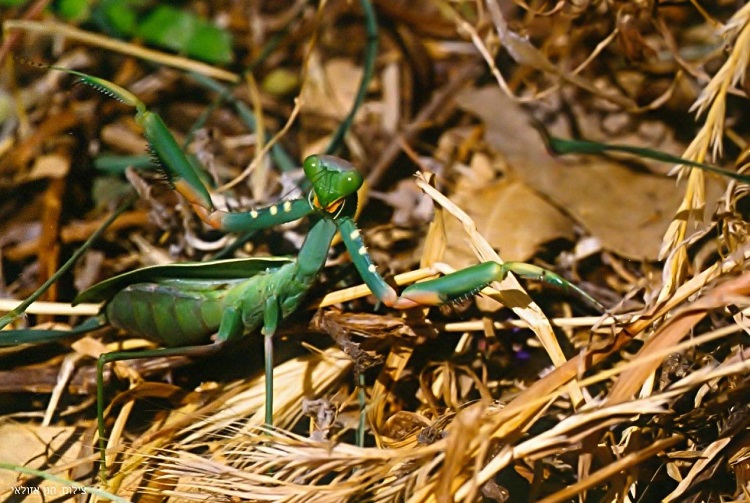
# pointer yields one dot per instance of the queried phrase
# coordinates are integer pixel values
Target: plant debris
(503, 396)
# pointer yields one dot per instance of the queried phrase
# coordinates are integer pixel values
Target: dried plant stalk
(712, 101)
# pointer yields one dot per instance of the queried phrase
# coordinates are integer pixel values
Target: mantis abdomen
(171, 312)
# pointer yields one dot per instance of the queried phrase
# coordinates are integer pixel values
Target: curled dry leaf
(410, 207)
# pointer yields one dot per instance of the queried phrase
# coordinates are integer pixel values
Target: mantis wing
(219, 269)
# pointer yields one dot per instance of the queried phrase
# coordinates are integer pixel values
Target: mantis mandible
(194, 308)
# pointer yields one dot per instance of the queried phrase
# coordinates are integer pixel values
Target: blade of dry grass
(96, 40)
(509, 292)
(712, 101)
(621, 465)
(507, 422)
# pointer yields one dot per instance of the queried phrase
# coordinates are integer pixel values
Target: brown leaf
(513, 217)
(333, 93)
(627, 210)
(31, 445)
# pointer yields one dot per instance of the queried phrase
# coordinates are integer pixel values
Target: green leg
(561, 146)
(471, 280)
(271, 316)
(231, 325)
(134, 355)
(268, 355)
(458, 285)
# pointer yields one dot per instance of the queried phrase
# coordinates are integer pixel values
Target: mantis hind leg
(106, 358)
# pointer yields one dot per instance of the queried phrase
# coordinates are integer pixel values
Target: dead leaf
(627, 210)
(32, 446)
(332, 92)
(410, 207)
(513, 217)
(49, 166)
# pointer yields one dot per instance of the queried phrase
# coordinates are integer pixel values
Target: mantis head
(333, 179)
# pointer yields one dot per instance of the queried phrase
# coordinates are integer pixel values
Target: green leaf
(120, 16)
(74, 11)
(167, 27)
(184, 32)
(210, 43)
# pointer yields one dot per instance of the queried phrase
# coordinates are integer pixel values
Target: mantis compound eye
(312, 167)
(349, 183)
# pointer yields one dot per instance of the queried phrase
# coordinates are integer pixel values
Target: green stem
(371, 50)
(283, 160)
(228, 251)
(203, 118)
(561, 146)
(21, 308)
(60, 480)
(273, 44)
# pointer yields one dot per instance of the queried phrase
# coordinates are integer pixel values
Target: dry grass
(647, 402)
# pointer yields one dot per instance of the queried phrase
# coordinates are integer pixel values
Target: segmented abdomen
(171, 315)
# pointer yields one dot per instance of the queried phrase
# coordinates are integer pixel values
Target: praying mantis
(195, 308)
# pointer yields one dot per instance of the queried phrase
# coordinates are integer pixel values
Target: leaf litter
(543, 401)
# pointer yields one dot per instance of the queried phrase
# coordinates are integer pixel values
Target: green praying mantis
(195, 308)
